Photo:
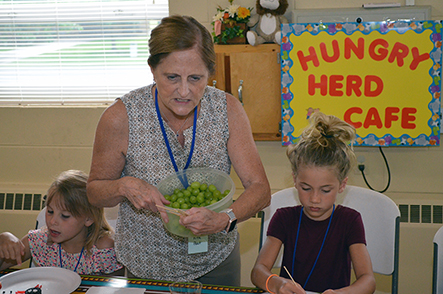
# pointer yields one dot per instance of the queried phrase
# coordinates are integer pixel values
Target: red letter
(382, 53)
(373, 119)
(379, 86)
(311, 57)
(323, 85)
(400, 51)
(353, 83)
(349, 112)
(417, 58)
(406, 118)
(390, 117)
(335, 49)
(334, 85)
(358, 50)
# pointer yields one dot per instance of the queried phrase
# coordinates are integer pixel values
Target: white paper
(113, 290)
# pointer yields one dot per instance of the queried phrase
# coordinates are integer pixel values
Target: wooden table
(151, 286)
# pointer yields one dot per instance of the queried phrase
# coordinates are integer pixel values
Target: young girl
(320, 239)
(76, 236)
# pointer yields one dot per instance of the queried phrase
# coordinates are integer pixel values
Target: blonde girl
(76, 236)
(320, 239)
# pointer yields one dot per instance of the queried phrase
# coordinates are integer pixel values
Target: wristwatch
(232, 220)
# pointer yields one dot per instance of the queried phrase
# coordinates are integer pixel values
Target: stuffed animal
(268, 19)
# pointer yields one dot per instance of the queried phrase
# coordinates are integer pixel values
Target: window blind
(74, 52)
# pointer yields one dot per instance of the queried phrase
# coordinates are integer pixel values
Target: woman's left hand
(202, 221)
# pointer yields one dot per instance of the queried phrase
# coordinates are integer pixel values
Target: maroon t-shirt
(333, 268)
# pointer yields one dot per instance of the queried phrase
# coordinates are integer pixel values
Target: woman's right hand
(143, 195)
(11, 247)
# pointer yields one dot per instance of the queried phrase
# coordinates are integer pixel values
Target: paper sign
(382, 77)
(197, 244)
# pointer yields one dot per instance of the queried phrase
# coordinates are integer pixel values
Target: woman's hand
(202, 221)
(143, 195)
(11, 247)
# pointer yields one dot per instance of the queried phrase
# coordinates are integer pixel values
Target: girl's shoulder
(348, 214)
(38, 235)
(347, 211)
(105, 242)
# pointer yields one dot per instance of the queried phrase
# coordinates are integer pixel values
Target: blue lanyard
(321, 248)
(60, 256)
(194, 128)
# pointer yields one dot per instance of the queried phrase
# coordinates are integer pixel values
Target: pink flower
(217, 27)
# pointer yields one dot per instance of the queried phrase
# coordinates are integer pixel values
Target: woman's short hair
(178, 33)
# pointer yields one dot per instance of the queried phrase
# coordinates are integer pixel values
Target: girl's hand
(288, 287)
(144, 196)
(202, 221)
(11, 247)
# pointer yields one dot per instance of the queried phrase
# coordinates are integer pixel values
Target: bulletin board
(382, 77)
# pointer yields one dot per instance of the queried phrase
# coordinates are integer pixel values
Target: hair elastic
(267, 281)
(327, 136)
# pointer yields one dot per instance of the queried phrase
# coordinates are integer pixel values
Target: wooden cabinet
(256, 70)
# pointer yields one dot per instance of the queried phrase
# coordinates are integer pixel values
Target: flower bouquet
(230, 24)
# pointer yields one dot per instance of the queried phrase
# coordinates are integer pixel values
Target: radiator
(419, 221)
(19, 210)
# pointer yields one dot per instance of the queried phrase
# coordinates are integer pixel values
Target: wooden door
(260, 73)
(259, 69)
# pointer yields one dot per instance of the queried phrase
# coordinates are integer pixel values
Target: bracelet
(267, 281)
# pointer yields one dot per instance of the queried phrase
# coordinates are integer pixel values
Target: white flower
(218, 16)
(232, 10)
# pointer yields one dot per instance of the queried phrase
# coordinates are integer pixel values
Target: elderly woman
(149, 133)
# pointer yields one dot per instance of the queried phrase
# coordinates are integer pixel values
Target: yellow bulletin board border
(295, 117)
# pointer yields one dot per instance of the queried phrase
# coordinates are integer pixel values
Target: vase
(236, 40)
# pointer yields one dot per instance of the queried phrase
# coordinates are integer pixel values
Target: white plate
(112, 290)
(54, 280)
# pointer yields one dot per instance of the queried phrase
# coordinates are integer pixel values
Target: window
(74, 51)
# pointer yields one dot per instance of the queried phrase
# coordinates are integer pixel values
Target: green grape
(195, 185)
(217, 194)
(200, 199)
(212, 188)
(195, 195)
